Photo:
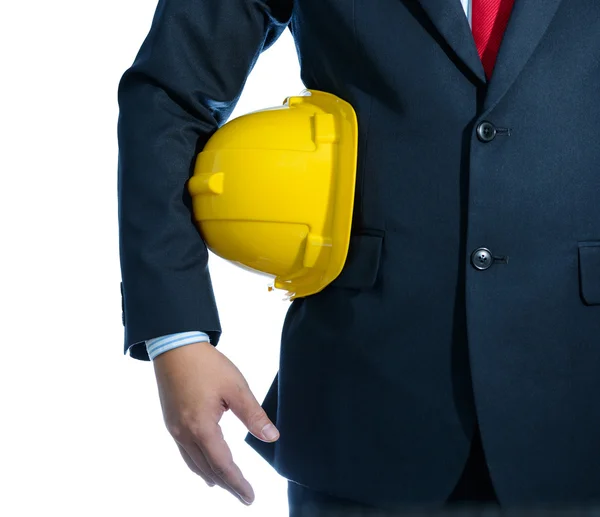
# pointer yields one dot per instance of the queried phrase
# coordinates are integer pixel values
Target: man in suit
(457, 356)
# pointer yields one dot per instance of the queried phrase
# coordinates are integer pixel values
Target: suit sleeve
(183, 84)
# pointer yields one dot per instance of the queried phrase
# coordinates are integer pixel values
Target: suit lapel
(528, 21)
(527, 24)
(450, 20)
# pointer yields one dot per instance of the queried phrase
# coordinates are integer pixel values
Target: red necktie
(488, 20)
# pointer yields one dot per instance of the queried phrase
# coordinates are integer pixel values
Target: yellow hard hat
(273, 190)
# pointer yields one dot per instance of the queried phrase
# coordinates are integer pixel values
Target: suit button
(486, 131)
(481, 258)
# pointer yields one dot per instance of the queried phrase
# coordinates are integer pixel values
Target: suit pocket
(362, 263)
(589, 272)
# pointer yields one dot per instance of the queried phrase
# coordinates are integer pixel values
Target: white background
(81, 429)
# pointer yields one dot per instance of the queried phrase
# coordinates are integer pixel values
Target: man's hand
(196, 385)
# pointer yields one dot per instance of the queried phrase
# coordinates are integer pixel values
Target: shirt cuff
(162, 344)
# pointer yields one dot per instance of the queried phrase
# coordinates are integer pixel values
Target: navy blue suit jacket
(384, 374)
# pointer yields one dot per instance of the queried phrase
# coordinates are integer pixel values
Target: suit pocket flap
(362, 262)
(589, 272)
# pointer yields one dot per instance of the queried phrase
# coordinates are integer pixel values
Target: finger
(245, 406)
(219, 457)
(197, 457)
(201, 470)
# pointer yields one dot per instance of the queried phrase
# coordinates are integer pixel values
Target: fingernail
(246, 500)
(270, 432)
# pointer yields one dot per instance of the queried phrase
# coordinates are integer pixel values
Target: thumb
(253, 416)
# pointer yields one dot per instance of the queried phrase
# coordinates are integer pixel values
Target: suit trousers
(474, 488)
